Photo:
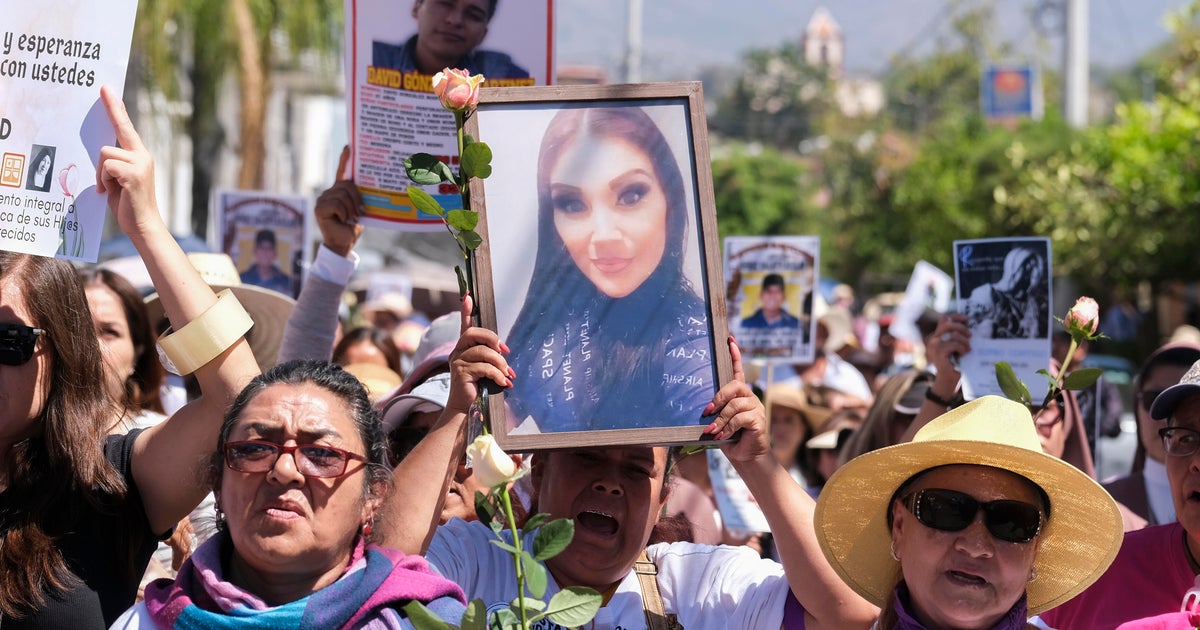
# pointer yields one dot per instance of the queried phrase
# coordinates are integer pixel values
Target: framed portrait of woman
(600, 263)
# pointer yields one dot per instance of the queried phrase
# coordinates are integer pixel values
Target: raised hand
(338, 210)
(126, 173)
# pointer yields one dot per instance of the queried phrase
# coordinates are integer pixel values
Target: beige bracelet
(204, 338)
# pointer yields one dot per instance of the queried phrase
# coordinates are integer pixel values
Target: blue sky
(680, 37)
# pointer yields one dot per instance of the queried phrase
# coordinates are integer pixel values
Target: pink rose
(457, 90)
(1084, 316)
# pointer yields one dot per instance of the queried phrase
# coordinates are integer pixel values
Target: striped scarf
(370, 594)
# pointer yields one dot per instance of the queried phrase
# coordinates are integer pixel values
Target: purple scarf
(371, 593)
(1016, 618)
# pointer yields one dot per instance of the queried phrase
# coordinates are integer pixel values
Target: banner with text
(391, 57)
(54, 56)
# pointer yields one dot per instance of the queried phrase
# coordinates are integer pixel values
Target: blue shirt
(489, 63)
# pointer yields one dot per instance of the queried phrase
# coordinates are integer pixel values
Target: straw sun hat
(1075, 546)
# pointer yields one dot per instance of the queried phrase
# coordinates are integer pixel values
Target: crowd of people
(311, 477)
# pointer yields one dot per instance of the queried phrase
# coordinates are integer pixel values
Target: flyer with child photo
(393, 50)
(54, 56)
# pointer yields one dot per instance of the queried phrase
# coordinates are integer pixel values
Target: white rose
(490, 464)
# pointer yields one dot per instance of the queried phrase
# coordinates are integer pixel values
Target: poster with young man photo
(393, 51)
(771, 281)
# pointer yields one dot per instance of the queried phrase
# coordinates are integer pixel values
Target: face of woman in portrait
(614, 495)
(610, 212)
(282, 521)
(43, 166)
(968, 578)
(112, 330)
(23, 388)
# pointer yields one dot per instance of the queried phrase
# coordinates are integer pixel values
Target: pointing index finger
(127, 136)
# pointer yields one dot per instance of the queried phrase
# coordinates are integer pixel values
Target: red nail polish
(511, 372)
(708, 410)
(504, 348)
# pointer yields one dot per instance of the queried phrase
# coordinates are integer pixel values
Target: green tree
(778, 99)
(188, 47)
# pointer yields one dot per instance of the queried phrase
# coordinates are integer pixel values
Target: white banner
(54, 56)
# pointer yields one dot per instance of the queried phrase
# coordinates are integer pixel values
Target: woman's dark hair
(63, 463)
(377, 337)
(335, 380)
(876, 430)
(143, 388)
(559, 294)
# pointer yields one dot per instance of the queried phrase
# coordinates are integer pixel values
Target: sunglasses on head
(952, 511)
(17, 342)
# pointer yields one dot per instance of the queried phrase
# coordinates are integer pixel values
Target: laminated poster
(739, 510)
(54, 56)
(770, 282)
(1003, 287)
(264, 234)
(393, 112)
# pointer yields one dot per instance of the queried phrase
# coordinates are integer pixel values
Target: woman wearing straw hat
(970, 525)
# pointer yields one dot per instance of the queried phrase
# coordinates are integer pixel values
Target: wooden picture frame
(600, 265)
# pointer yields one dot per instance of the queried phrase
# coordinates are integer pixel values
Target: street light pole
(1075, 63)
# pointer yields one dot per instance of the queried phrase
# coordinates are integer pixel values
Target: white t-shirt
(717, 588)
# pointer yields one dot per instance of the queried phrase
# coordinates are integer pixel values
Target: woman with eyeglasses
(299, 472)
(969, 526)
(80, 512)
(1145, 492)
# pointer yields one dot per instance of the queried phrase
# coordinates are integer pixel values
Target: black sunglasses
(1147, 398)
(952, 511)
(17, 342)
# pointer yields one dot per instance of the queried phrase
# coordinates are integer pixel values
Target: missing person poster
(54, 56)
(393, 50)
(770, 295)
(1003, 287)
(264, 234)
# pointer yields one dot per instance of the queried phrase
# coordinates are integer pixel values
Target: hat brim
(1166, 402)
(269, 309)
(1079, 541)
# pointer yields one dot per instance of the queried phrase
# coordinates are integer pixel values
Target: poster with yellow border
(393, 49)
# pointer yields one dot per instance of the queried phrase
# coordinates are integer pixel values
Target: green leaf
(505, 546)
(535, 575)
(1012, 387)
(497, 526)
(530, 604)
(475, 617)
(535, 521)
(462, 220)
(468, 139)
(476, 160)
(462, 281)
(1082, 378)
(471, 239)
(426, 170)
(694, 448)
(424, 202)
(484, 509)
(424, 619)
(552, 538)
(503, 619)
(572, 607)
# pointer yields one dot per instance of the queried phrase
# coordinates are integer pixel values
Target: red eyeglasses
(312, 460)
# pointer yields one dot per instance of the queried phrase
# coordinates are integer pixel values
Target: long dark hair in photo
(586, 358)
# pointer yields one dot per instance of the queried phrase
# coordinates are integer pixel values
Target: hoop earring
(366, 530)
(1033, 574)
(895, 556)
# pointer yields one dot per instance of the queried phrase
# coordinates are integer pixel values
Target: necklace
(1195, 566)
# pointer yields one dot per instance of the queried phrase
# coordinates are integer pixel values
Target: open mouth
(966, 579)
(597, 522)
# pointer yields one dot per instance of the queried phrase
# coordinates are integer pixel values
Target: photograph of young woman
(612, 333)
